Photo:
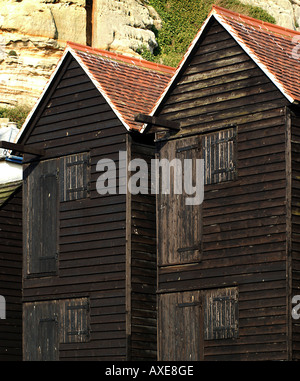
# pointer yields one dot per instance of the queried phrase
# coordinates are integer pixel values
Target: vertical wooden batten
(289, 272)
(128, 253)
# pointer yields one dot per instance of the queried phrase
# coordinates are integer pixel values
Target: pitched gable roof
(274, 49)
(129, 85)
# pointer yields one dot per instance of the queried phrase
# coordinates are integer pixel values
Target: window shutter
(75, 321)
(189, 238)
(179, 225)
(41, 214)
(219, 156)
(221, 314)
(48, 247)
(74, 177)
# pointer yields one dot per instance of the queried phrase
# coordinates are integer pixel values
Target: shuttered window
(219, 156)
(48, 324)
(179, 224)
(46, 183)
(221, 314)
(74, 177)
(75, 321)
(41, 216)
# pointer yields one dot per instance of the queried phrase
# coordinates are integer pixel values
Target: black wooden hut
(11, 271)
(89, 270)
(229, 267)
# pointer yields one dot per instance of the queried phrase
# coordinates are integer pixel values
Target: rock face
(33, 35)
(124, 25)
(285, 12)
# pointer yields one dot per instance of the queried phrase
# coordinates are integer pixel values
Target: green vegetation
(16, 114)
(182, 20)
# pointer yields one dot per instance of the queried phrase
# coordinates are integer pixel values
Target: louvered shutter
(219, 156)
(221, 314)
(74, 177)
(75, 320)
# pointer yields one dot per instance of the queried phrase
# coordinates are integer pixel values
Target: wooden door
(41, 331)
(180, 327)
(47, 324)
(179, 224)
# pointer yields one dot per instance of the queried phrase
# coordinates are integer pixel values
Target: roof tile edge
(252, 21)
(123, 58)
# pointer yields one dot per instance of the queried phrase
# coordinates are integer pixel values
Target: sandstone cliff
(285, 12)
(33, 35)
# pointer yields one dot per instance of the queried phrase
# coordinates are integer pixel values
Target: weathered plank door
(50, 323)
(41, 217)
(180, 327)
(41, 332)
(179, 224)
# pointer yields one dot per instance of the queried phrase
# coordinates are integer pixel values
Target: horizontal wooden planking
(70, 115)
(44, 291)
(210, 85)
(223, 277)
(254, 102)
(114, 253)
(221, 100)
(89, 140)
(295, 271)
(105, 121)
(244, 221)
(92, 236)
(143, 267)
(11, 277)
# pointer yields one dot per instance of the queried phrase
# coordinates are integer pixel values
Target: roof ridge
(271, 27)
(122, 57)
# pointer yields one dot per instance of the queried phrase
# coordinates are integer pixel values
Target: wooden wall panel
(11, 277)
(244, 221)
(295, 215)
(143, 264)
(73, 119)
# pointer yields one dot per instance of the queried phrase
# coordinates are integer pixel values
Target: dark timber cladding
(91, 290)
(236, 266)
(11, 274)
(295, 221)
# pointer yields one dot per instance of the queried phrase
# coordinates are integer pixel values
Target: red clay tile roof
(130, 85)
(275, 50)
